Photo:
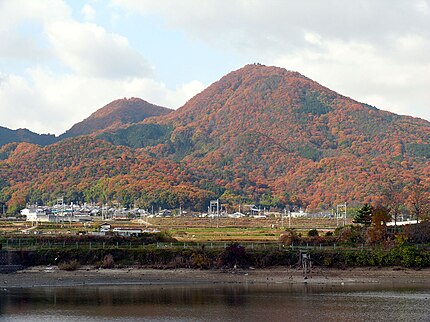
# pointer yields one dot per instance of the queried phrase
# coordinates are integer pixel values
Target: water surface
(217, 303)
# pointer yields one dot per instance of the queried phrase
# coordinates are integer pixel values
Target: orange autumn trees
(260, 134)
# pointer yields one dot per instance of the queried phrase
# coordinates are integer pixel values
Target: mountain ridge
(260, 134)
(24, 135)
(116, 113)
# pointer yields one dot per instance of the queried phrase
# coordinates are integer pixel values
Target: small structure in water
(306, 262)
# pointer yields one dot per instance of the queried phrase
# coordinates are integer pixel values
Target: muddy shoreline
(51, 276)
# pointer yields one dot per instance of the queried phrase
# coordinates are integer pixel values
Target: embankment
(233, 255)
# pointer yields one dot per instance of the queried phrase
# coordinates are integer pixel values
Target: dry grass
(240, 229)
(72, 265)
(297, 223)
(193, 229)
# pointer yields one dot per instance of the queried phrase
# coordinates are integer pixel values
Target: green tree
(364, 215)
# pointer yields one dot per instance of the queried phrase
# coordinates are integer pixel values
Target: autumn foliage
(260, 134)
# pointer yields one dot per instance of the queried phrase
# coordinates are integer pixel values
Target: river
(357, 302)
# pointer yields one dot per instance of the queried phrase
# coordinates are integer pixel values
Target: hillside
(260, 135)
(84, 169)
(115, 114)
(265, 132)
(24, 135)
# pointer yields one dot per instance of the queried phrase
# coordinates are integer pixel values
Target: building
(127, 231)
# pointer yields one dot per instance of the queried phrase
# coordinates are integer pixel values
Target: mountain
(84, 169)
(260, 134)
(267, 133)
(24, 135)
(115, 114)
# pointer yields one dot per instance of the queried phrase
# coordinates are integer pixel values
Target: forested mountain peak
(116, 113)
(265, 130)
(290, 109)
(258, 87)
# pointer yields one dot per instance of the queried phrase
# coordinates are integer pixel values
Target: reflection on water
(217, 303)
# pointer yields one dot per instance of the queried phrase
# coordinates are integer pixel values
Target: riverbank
(51, 276)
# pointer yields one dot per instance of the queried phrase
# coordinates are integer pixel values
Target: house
(127, 231)
(402, 223)
(164, 213)
(105, 225)
(253, 210)
(299, 213)
(236, 215)
(37, 215)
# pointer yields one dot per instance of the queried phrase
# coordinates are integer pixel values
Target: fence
(24, 244)
(32, 244)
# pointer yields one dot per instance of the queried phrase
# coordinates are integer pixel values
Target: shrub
(199, 260)
(418, 233)
(234, 255)
(313, 233)
(108, 261)
(288, 237)
(376, 234)
(351, 234)
(72, 265)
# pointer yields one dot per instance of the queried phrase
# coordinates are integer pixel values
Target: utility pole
(337, 216)
(339, 208)
(344, 217)
(289, 218)
(282, 216)
(217, 212)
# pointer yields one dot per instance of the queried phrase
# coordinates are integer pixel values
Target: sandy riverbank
(53, 277)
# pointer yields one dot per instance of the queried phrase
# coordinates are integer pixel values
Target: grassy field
(240, 229)
(191, 229)
(225, 234)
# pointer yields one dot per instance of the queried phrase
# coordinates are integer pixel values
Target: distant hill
(24, 135)
(260, 134)
(267, 133)
(115, 114)
(84, 169)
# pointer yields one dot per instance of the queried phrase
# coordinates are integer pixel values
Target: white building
(127, 232)
(36, 215)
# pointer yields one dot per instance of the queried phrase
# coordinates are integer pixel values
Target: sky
(62, 60)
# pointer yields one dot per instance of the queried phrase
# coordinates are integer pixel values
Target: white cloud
(387, 82)
(13, 13)
(47, 102)
(373, 51)
(20, 48)
(91, 51)
(85, 48)
(423, 7)
(88, 12)
(279, 24)
(95, 67)
(183, 93)
(313, 38)
(19, 43)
